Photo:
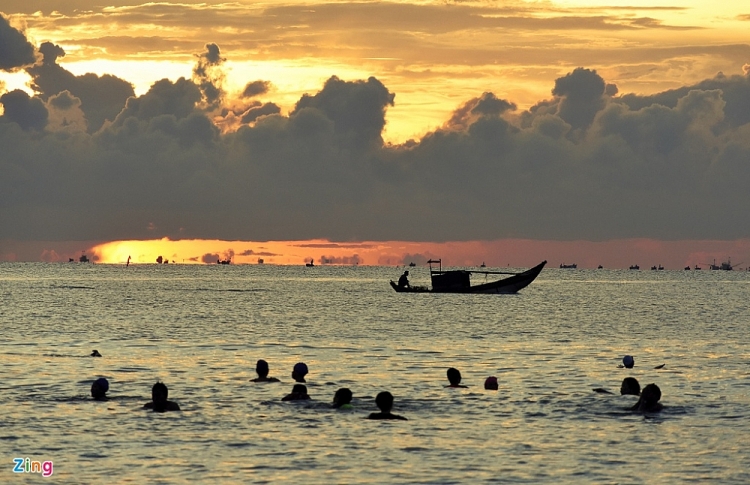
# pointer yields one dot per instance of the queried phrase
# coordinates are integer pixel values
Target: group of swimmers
(342, 399)
(648, 397)
(159, 394)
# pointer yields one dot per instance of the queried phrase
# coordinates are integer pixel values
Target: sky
(375, 132)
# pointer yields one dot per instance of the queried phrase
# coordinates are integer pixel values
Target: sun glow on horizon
(321, 251)
(498, 253)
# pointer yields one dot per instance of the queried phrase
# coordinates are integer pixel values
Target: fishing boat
(724, 266)
(568, 266)
(459, 281)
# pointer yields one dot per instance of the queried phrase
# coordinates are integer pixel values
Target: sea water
(200, 330)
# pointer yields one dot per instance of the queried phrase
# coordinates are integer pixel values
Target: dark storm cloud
(102, 97)
(15, 50)
(485, 105)
(256, 88)
(583, 164)
(735, 91)
(64, 101)
(256, 112)
(29, 113)
(165, 97)
(357, 109)
(582, 96)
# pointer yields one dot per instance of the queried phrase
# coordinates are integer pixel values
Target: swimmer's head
(262, 368)
(454, 376)
(491, 383)
(384, 401)
(299, 372)
(342, 396)
(650, 395)
(159, 393)
(630, 386)
(99, 388)
(628, 361)
(95, 353)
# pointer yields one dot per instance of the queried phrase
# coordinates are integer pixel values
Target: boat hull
(502, 287)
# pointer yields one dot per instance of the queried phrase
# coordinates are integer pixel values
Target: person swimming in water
(630, 386)
(649, 400)
(299, 393)
(159, 403)
(299, 372)
(342, 399)
(384, 401)
(454, 377)
(262, 369)
(99, 389)
(491, 383)
(95, 353)
(628, 362)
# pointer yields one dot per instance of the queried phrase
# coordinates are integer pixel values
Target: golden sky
(432, 55)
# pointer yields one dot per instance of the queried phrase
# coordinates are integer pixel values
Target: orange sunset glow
(515, 253)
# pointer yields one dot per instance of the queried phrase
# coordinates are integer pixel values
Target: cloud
(250, 252)
(253, 114)
(485, 105)
(210, 258)
(352, 260)
(581, 94)
(583, 164)
(29, 113)
(65, 113)
(15, 51)
(356, 108)
(102, 97)
(256, 88)
(208, 74)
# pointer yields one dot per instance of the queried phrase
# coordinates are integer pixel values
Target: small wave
(232, 290)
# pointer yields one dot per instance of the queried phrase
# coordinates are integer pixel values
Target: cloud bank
(85, 159)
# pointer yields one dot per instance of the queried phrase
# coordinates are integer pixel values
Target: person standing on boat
(403, 281)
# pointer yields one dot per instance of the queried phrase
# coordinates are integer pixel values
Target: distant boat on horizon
(724, 266)
(568, 266)
(635, 266)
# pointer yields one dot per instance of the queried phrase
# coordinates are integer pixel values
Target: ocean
(200, 329)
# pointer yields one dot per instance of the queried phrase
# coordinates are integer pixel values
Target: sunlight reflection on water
(200, 329)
